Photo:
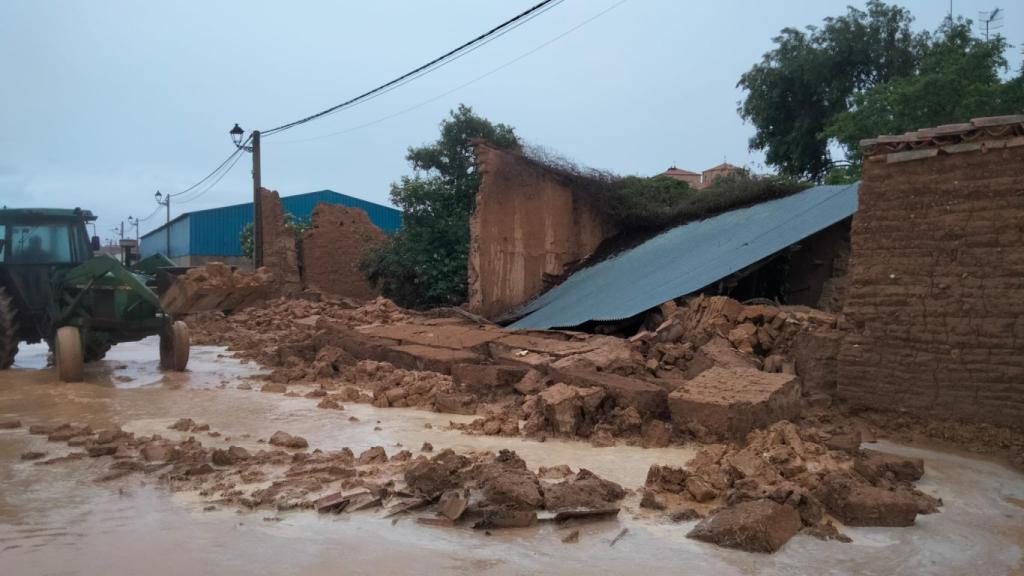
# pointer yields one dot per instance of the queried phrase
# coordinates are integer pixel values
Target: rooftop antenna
(992, 20)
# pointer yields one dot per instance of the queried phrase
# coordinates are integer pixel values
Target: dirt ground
(60, 518)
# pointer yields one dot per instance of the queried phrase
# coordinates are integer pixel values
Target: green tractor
(54, 288)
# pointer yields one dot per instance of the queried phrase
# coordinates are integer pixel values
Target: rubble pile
(751, 493)
(281, 334)
(395, 387)
(489, 490)
(719, 331)
(215, 286)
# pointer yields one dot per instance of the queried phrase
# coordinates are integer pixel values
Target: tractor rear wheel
(67, 353)
(8, 330)
(174, 347)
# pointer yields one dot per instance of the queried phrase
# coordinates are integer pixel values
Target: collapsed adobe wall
(935, 300)
(332, 247)
(526, 229)
(280, 256)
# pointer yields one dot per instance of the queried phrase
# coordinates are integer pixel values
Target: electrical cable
(445, 58)
(461, 86)
(212, 183)
(237, 151)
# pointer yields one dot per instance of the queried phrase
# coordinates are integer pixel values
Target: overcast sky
(106, 102)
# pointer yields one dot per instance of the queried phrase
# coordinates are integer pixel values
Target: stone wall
(332, 247)
(279, 253)
(935, 300)
(527, 228)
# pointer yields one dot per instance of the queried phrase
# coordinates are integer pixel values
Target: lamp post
(161, 200)
(134, 222)
(257, 206)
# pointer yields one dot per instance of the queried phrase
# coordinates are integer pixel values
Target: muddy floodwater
(57, 520)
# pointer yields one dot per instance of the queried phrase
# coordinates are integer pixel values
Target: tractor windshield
(43, 244)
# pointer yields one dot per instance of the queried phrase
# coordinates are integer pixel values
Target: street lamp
(257, 210)
(236, 135)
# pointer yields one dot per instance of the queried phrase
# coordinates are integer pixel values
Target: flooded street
(57, 520)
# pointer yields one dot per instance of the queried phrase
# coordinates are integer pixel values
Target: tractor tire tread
(8, 330)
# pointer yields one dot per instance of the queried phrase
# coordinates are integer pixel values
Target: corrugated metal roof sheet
(687, 258)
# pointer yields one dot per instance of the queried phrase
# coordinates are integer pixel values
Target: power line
(215, 170)
(445, 58)
(214, 182)
(465, 84)
(151, 214)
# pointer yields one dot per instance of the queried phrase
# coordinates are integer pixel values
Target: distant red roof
(723, 166)
(673, 171)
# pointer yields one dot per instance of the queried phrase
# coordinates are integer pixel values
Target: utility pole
(165, 201)
(257, 204)
(122, 229)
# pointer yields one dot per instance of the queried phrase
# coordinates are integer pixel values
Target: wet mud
(58, 519)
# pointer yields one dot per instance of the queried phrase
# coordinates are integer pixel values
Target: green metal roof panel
(687, 258)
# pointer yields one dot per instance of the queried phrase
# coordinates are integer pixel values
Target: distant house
(703, 179)
(723, 169)
(195, 238)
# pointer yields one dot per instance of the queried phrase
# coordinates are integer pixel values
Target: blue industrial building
(195, 238)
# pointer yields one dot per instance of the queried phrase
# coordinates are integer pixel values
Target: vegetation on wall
(635, 203)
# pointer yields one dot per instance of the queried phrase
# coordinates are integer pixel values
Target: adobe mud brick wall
(527, 227)
(332, 247)
(279, 252)
(936, 284)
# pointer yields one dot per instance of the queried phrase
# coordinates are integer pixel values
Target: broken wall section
(527, 228)
(935, 301)
(280, 256)
(331, 250)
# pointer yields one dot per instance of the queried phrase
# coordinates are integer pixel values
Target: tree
(296, 225)
(425, 263)
(957, 79)
(810, 76)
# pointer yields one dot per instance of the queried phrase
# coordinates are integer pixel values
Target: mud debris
(286, 440)
(755, 526)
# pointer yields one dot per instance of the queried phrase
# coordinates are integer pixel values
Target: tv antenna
(991, 21)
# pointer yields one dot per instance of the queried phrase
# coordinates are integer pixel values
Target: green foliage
(425, 263)
(842, 175)
(865, 74)
(636, 202)
(798, 87)
(297, 226)
(957, 79)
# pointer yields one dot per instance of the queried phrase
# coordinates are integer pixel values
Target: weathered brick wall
(279, 254)
(527, 227)
(332, 247)
(936, 288)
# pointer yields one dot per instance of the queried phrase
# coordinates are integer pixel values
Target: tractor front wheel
(174, 347)
(68, 354)
(8, 330)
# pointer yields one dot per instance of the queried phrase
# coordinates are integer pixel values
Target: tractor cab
(34, 242)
